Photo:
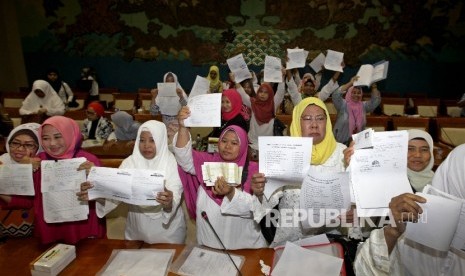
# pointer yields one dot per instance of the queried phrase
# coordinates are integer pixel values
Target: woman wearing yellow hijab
(310, 118)
(216, 86)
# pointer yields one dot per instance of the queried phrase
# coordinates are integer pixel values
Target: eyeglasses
(17, 145)
(317, 119)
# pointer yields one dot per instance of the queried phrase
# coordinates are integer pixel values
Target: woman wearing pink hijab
(61, 139)
(351, 111)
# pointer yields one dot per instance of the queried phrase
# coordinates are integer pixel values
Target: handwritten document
(60, 182)
(138, 262)
(205, 111)
(296, 58)
(324, 191)
(284, 160)
(167, 99)
(201, 86)
(202, 261)
(458, 241)
(16, 179)
(238, 66)
(272, 71)
(133, 186)
(317, 64)
(380, 173)
(231, 172)
(334, 61)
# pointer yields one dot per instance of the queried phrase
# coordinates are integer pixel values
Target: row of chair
(446, 130)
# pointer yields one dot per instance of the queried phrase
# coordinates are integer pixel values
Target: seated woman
(351, 111)
(309, 86)
(388, 252)
(125, 129)
(96, 126)
(163, 223)
(22, 145)
(420, 160)
(228, 208)
(232, 112)
(216, 85)
(60, 139)
(61, 88)
(42, 102)
(310, 119)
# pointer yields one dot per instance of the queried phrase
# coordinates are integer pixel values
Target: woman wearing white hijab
(163, 223)
(420, 160)
(387, 252)
(42, 100)
(21, 145)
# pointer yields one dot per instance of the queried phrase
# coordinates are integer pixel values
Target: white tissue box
(54, 260)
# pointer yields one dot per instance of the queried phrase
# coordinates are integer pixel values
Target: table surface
(92, 254)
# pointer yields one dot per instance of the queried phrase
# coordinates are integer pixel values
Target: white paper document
(202, 262)
(16, 179)
(205, 111)
(317, 64)
(138, 262)
(322, 193)
(133, 186)
(369, 74)
(334, 61)
(296, 58)
(167, 99)
(272, 71)
(231, 172)
(436, 211)
(284, 160)
(238, 66)
(363, 139)
(296, 261)
(380, 173)
(201, 86)
(60, 182)
(458, 241)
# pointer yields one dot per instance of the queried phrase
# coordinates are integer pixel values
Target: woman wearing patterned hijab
(351, 111)
(61, 139)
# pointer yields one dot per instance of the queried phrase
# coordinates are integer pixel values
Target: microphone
(205, 217)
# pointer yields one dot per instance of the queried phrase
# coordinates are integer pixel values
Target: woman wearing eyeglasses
(22, 146)
(96, 126)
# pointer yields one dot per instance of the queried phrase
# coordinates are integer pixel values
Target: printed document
(380, 173)
(334, 61)
(167, 99)
(369, 74)
(205, 111)
(284, 160)
(133, 186)
(324, 191)
(272, 71)
(238, 66)
(317, 64)
(296, 58)
(201, 86)
(208, 262)
(16, 179)
(60, 182)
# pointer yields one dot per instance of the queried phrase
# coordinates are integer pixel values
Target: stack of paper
(231, 172)
(54, 260)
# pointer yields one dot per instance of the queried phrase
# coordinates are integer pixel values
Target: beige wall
(12, 68)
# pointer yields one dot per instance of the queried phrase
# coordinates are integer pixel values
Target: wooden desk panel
(93, 254)
(118, 150)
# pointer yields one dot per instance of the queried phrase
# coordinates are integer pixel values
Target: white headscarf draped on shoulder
(450, 176)
(28, 128)
(419, 180)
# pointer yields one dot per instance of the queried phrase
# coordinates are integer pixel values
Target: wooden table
(118, 150)
(92, 254)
